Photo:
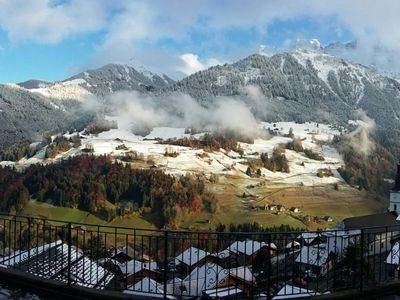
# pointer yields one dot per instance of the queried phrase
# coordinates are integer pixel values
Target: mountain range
(306, 84)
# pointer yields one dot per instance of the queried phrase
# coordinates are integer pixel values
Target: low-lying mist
(141, 113)
(360, 138)
(238, 116)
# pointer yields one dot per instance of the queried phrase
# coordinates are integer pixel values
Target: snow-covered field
(302, 169)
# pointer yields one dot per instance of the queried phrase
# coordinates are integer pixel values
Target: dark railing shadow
(210, 265)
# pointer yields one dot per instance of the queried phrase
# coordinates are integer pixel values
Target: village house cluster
(306, 262)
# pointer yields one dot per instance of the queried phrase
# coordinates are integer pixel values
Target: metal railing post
(269, 265)
(361, 258)
(165, 262)
(15, 233)
(29, 241)
(350, 269)
(69, 241)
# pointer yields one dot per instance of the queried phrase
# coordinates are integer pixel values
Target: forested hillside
(89, 182)
(303, 85)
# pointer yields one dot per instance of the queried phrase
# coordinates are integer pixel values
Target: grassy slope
(315, 202)
(39, 209)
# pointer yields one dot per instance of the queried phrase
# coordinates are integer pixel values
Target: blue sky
(51, 62)
(64, 37)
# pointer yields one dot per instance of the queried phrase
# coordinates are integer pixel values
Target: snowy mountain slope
(306, 84)
(303, 85)
(26, 116)
(303, 171)
(30, 108)
(117, 77)
(100, 82)
(379, 58)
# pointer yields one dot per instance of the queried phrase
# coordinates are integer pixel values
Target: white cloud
(46, 21)
(136, 28)
(372, 24)
(192, 64)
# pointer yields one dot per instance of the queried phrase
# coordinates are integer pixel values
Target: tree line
(368, 171)
(211, 142)
(87, 182)
(18, 151)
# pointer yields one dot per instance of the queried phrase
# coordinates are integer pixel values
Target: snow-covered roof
(128, 251)
(222, 254)
(292, 245)
(222, 292)
(192, 288)
(308, 236)
(191, 256)
(147, 287)
(208, 270)
(394, 256)
(134, 266)
(313, 255)
(341, 233)
(86, 273)
(175, 280)
(195, 287)
(243, 273)
(201, 278)
(290, 291)
(20, 256)
(338, 241)
(248, 247)
(50, 261)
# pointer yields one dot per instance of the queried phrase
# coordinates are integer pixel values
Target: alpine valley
(303, 138)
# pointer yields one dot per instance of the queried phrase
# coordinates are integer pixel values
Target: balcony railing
(209, 265)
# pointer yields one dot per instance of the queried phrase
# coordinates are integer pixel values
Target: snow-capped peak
(143, 70)
(267, 50)
(312, 44)
(315, 44)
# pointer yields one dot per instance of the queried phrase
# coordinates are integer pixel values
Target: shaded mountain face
(116, 77)
(304, 85)
(33, 107)
(26, 116)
